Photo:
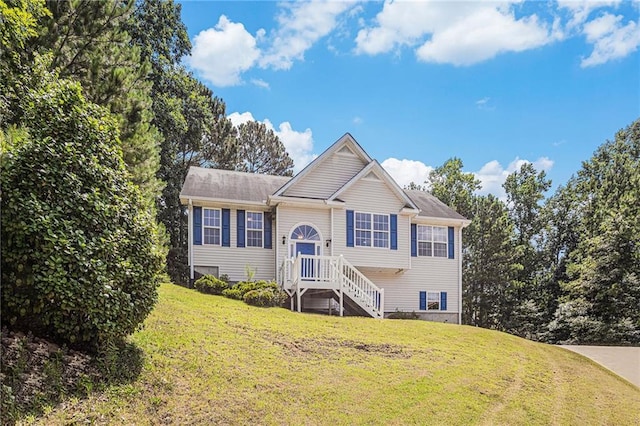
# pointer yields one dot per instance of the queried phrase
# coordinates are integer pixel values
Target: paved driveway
(622, 360)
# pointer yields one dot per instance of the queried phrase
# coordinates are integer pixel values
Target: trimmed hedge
(265, 297)
(257, 293)
(209, 284)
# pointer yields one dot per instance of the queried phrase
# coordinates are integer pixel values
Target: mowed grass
(211, 360)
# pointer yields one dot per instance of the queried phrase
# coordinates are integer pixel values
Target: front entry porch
(333, 276)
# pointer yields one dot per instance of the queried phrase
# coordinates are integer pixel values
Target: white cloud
(459, 33)
(222, 53)
(482, 36)
(301, 25)
(260, 83)
(492, 175)
(299, 145)
(610, 39)
(581, 9)
(406, 171)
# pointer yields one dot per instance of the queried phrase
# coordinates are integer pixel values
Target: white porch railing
(332, 273)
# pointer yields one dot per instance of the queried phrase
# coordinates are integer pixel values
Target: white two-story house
(340, 233)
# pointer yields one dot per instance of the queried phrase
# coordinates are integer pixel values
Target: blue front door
(307, 264)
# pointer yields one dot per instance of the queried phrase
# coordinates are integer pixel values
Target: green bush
(404, 315)
(265, 297)
(209, 284)
(81, 251)
(240, 289)
(233, 293)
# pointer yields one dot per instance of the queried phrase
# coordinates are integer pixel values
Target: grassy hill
(210, 360)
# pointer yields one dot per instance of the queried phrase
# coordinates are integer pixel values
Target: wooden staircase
(348, 286)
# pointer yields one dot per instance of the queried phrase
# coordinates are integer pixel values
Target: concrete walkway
(622, 360)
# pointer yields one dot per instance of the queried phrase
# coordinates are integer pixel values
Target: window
(432, 241)
(433, 301)
(381, 230)
(254, 229)
(372, 230)
(211, 226)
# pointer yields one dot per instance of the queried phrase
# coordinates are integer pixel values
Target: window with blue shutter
(443, 301)
(349, 228)
(414, 238)
(393, 222)
(226, 228)
(451, 243)
(197, 226)
(267, 230)
(423, 300)
(240, 228)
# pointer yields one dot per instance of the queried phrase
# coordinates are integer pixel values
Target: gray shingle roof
(229, 185)
(430, 206)
(252, 187)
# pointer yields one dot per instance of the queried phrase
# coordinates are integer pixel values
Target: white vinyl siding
(211, 225)
(234, 261)
(372, 195)
(328, 177)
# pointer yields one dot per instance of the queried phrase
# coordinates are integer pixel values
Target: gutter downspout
(460, 276)
(332, 239)
(190, 230)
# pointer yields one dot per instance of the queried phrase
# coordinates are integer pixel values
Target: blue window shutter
(240, 227)
(226, 227)
(423, 300)
(443, 301)
(393, 222)
(197, 226)
(349, 228)
(414, 240)
(451, 243)
(267, 230)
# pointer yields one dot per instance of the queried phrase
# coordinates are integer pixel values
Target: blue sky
(416, 83)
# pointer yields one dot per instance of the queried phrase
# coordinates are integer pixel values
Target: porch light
(284, 239)
(328, 242)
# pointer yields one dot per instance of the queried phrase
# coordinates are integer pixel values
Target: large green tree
(602, 291)
(525, 189)
(89, 44)
(261, 151)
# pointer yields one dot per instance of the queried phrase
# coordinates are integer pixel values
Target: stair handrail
(361, 289)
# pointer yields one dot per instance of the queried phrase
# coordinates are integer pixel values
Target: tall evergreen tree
(525, 189)
(261, 151)
(89, 45)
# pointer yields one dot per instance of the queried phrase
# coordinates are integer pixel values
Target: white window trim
(372, 230)
(432, 242)
(439, 293)
(219, 228)
(246, 229)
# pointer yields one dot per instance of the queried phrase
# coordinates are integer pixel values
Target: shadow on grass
(36, 373)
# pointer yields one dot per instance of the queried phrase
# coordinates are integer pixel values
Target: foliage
(454, 187)
(80, 253)
(404, 315)
(602, 286)
(240, 289)
(265, 297)
(261, 151)
(239, 363)
(209, 284)
(89, 44)
(489, 265)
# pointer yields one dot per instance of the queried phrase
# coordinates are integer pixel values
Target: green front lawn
(211, 360)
